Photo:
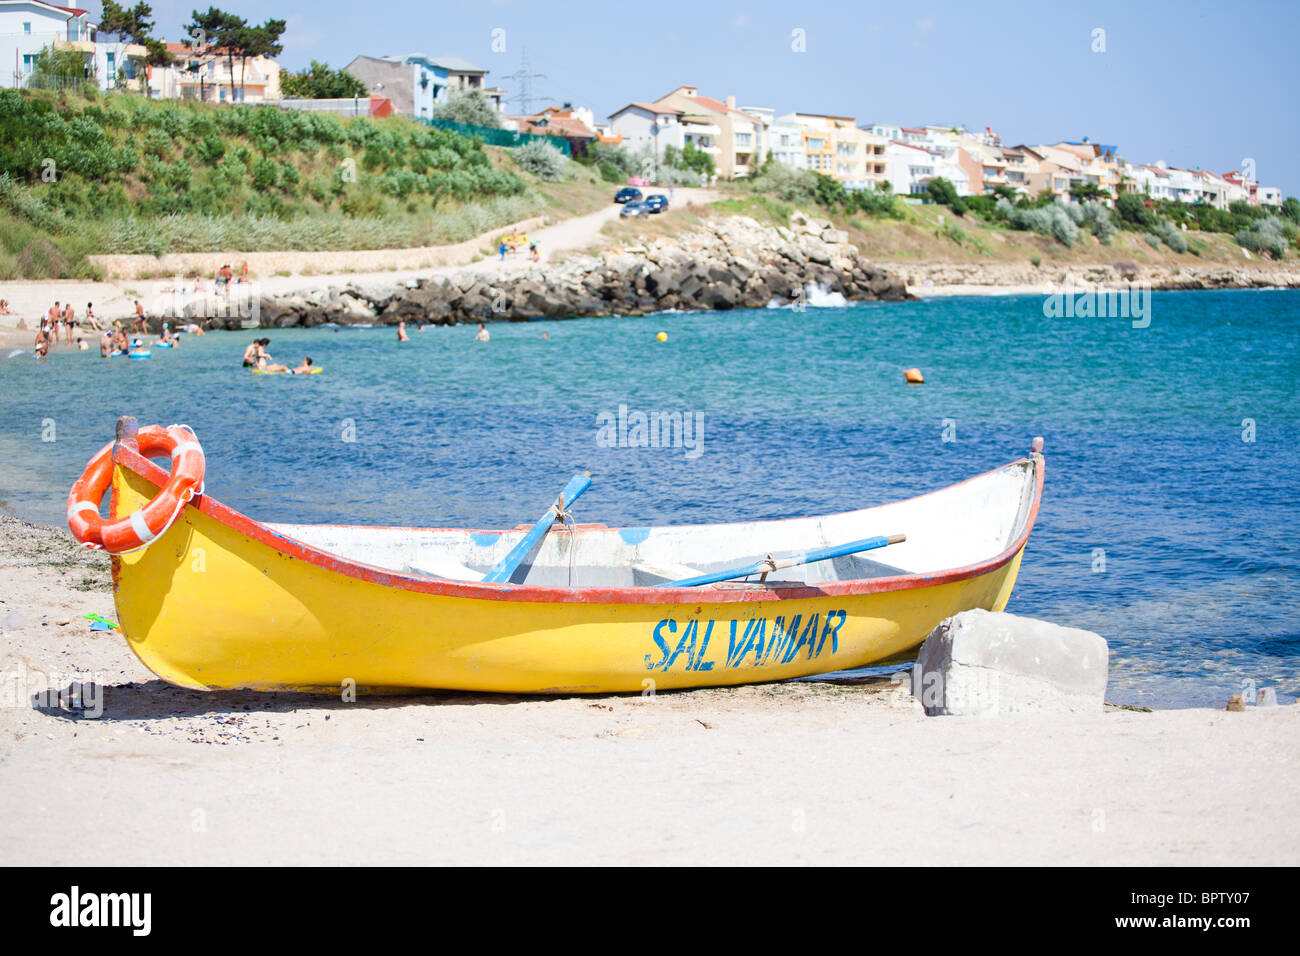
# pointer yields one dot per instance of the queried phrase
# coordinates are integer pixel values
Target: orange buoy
(913, 376)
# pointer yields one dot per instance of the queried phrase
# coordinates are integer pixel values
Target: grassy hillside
(934, 233)
(123, 174)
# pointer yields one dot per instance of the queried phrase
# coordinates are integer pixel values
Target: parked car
(657, 202)
(627, 194)
(635, 208)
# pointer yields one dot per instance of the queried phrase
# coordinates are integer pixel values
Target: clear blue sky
(1194, 83)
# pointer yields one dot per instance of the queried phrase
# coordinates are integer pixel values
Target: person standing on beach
(69, 322)
(139, 324)
(502, 250)
(50, 324)
(401, 332)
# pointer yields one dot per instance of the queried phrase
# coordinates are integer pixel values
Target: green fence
(492, 136)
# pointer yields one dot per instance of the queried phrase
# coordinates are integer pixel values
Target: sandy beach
(803, 772)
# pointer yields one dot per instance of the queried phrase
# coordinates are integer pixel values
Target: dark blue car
(657, 203)
(627, 194)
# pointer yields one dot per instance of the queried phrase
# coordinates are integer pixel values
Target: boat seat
(647, 573)
(445, 568)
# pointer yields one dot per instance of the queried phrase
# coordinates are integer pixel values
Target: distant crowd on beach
(61, 325)
(60, 322)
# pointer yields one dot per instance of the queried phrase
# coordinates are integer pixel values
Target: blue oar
(507, 565)
(770, 564)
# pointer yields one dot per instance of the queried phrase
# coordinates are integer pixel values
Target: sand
(800, 772)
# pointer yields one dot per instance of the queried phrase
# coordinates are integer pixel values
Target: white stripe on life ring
(140, 528)
(184, 447)
(83, 506)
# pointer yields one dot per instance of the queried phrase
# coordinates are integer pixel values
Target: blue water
(804, 413)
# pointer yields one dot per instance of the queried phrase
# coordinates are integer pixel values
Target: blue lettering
(700, 664)
(833, 629)
(661, 643)
(784, 650)
(807, 639)
(685, 646)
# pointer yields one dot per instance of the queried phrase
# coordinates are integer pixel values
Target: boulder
(984, 663)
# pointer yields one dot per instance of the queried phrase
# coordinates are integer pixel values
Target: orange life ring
(134, 531)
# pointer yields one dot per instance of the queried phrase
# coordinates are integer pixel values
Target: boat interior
(955, 527)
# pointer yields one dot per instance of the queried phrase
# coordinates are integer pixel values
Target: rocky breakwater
(726, 264)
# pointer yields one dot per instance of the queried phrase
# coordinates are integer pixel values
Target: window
(744, 139)
(27, 27)
(815, 144)
(72, 29)
(29, 62)
(112, 62)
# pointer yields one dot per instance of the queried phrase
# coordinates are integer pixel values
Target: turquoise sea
(1170, 515)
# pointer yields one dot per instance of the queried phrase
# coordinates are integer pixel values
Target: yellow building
(836, 147)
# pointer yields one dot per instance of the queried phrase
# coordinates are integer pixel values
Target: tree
(216, 29)
(1083, 192)
(251, 41)
(319, 82)
(1291, 209)
(1133, 211)
(53, 66)
(234, 37)
(135, 25)
(697, 159)
(131, 25)
(942, 191)
(468, 106)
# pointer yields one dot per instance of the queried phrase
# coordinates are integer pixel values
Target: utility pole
(524, 77)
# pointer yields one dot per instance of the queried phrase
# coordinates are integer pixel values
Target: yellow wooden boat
(220, 600)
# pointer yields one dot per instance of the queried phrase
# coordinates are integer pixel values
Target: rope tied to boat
(567, 523)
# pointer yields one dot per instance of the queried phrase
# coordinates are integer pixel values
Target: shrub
(1133, 212)
(469, 106)
(798, 186)
(1095, 217)
(541, 159)
(1051, 220)
(1171, 235)
(266, 174)
(1265, 236)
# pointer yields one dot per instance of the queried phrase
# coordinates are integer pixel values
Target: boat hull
(209, 605)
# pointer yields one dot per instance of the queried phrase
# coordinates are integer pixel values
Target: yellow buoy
(913, 376)
(662, 336)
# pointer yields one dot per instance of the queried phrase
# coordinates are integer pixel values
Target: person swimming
(401, 332)
(105, 344)
(256, 353)
(482, 334)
